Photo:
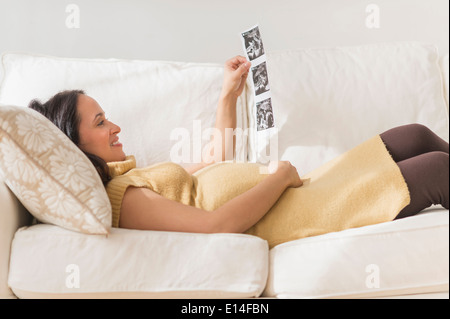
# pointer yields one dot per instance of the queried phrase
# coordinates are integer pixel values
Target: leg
(427, 177)
(407, 141)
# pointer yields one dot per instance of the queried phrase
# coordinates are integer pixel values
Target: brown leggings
(423, 159)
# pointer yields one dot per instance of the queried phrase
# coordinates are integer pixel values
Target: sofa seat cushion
(404, 256)
(50, 262)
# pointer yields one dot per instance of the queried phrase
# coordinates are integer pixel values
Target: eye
(102, 122)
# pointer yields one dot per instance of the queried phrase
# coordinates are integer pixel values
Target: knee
(442, 159)
(439, 161)
(422, 136)
(419, 131)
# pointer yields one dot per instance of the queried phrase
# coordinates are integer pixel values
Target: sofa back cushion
(327, 101)
(158, 105)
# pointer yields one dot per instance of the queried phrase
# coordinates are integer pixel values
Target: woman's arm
(225, 118)
(147, 210)
(235, 75)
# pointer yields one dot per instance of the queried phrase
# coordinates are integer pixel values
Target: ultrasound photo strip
(264, 115)
(254, 50)
(253, 43)
(260, 78)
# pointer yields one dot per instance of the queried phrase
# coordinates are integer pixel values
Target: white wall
(207, 30)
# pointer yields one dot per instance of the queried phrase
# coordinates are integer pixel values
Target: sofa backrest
(154, 102)
(325, 100)
(328, 100)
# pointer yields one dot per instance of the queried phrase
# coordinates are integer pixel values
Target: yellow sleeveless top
(361, 187)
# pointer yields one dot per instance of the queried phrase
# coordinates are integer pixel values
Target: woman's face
(98, 136)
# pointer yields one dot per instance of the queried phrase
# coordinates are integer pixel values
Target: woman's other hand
(287, 172)
(235, 74)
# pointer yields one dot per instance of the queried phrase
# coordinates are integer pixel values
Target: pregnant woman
(392, 175)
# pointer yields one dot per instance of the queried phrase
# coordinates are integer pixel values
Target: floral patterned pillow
(49, 174)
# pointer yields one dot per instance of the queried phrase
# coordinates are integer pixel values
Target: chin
(117, 158)
(122, 156)
(118, 155)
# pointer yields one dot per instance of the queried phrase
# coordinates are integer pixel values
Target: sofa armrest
(12, 216)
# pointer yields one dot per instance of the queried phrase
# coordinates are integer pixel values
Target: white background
(208, 30)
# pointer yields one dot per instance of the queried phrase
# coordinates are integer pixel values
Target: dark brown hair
(61, 110)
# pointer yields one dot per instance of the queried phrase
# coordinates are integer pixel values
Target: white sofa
(325, 102)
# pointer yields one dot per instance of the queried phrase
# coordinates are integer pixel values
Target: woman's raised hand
(235, 74)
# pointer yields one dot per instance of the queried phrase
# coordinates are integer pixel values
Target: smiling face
(98, 136)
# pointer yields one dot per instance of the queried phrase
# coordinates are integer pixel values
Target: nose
(115, 129)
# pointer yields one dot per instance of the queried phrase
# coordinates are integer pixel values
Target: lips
(116, 143)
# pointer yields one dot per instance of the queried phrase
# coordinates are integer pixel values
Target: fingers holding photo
(238, 62)
(236, 71)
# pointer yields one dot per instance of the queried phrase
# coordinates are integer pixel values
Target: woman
(167, 197)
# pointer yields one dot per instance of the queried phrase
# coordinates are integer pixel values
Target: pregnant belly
(221, 182)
